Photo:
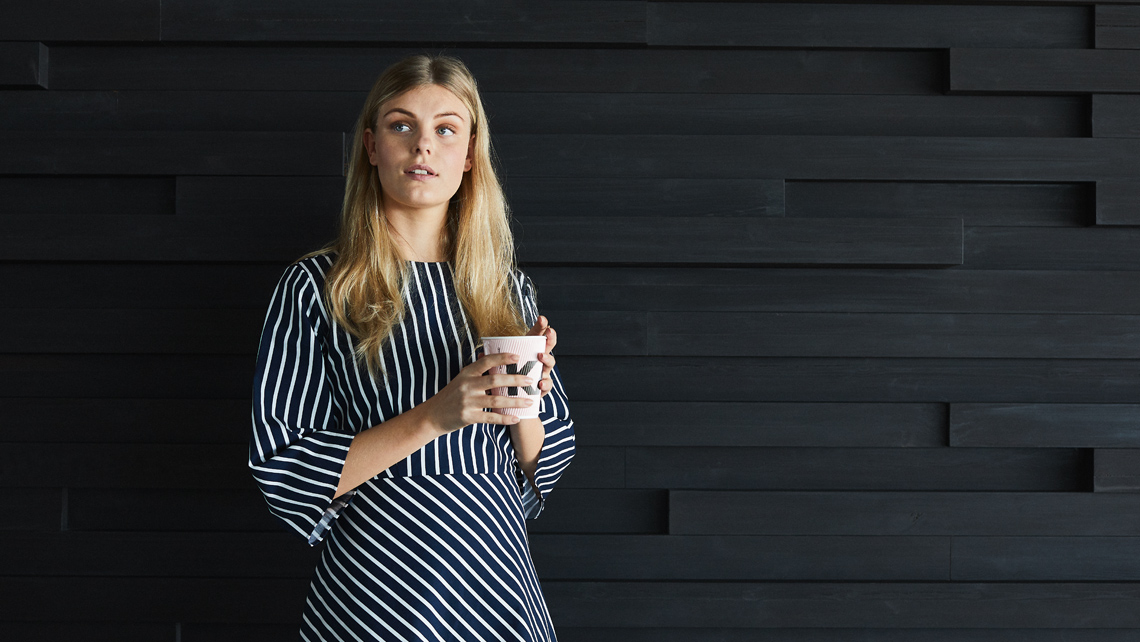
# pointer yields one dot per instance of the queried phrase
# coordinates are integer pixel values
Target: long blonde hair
(363, 288)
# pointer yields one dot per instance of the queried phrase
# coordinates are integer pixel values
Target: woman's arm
(527, 437)
(379, 447)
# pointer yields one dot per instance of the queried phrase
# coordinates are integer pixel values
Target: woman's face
(421, 147)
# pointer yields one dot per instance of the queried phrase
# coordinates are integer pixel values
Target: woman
(370, 420)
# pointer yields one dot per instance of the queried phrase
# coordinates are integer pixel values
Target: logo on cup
(513, 368)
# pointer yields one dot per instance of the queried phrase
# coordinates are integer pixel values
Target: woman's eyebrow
(404, 111)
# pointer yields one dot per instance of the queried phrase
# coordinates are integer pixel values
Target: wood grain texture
(1043, 71)
(1045, 425)
(1116, 202)
(1117, 27)
(1045, 559)
(1117, 470)
(849, 634)
(1115, 115)
(64, 20)
(866, 25)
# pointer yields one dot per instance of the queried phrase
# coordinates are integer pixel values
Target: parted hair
(363, 287)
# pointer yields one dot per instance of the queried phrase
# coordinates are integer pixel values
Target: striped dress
(435, 547)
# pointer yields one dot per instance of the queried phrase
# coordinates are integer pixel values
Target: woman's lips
(419, 177)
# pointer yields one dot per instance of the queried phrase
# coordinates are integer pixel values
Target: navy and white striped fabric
(434, 547)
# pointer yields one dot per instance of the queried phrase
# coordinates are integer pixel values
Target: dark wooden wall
(848, 298)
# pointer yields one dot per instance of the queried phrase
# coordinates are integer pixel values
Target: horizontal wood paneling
(861, 634)
(942, 469)
(37, 196)
(977, 203)
(1043, 71)
(1117, 27)
(1090, 248)
(555, 69)
(1116, 202)
(1115, 115)
(983, 513)
(780, 334)
(23, 65)
(129, 20)
(454, 21)
(879, 26)
(30, 509)
(1117, 470)
(1045, 425)
(846, 604)
(1046, 559)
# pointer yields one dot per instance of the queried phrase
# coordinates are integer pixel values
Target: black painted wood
(1045, 559)
(1089, 248)
(979, 204)
(453, 21)
(735, 558)
(983, 513)
(602, 510)
(727, 240)
(170, 421)
(877, 26)
(37, 196)
(935, 469)
(1116, 202)
(30, 509)
(214, 632)
(23, 65)
(1043, 71)
(1117, 470)
(150, 153)
(1115, 115)
(125, 20)
(1045, 425)
(846, 604)
(540, 198)
(205, 466)
(785, 334)
(555, 69)
(67, 286)
(122, 631)
(745, 423)
(1117, 27)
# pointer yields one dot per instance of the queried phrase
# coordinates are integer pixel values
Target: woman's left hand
(540, 328)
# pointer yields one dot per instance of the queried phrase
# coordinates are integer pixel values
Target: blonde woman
(371, 422)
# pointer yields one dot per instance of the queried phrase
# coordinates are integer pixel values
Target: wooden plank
(819, 379)
(534, 198)
(820, 157)
(141, 600)
(866, 25)
(206, 466)
(1116, 202)
(848, 290)
(746, 423)
(845, 604)
(799, 334)
(1045, 559)
(979, 204)
(782, 379)
(603, 510)
(30, 509)
(530, 112)
(61, 20)
(735, 558)
(1117, 27)
(1114, 115)
(1087, 248)
(452, 21)
(90, 631)
(878, 469)
(23, 65)
(70, 286)
(112, 554)
(313, 197)
(1043, 70)
(164, 152)
(536, 69)
(594, 239)
(860, 634)
(727, 240)
(1117, 470)
(214, 632)
(1076, 514)
(153, 421)
(1045, 425)
(100, 195)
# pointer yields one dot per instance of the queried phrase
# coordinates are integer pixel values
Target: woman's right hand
(462, 401)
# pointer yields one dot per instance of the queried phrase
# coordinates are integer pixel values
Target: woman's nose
(423, 144)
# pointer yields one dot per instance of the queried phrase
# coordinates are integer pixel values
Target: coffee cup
(529, 348)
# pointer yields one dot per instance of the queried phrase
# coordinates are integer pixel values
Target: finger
(503, 380)
(499, 401)
(551, 339)
(488, 361)
(496, 418)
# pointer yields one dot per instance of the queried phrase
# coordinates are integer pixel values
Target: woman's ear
(470, 154)
(370, 146)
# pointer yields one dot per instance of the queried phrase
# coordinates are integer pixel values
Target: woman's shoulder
(314, 267)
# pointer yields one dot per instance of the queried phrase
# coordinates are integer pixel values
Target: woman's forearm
(527, 437)
(387, 443)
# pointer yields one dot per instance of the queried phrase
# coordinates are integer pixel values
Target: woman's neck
(419, 237)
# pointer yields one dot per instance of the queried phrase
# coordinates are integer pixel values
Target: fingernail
(528, 381)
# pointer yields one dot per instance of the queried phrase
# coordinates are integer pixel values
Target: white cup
(528, 348)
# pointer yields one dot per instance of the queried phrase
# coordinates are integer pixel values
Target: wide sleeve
(296, 450)
(554, 412)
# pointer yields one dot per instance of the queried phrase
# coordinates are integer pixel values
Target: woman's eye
(397, 126)
(446, 127)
